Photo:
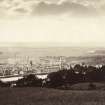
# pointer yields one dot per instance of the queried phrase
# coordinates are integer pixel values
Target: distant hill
(90, 60)
(88, 55)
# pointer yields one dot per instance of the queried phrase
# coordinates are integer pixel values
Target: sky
(53, 22)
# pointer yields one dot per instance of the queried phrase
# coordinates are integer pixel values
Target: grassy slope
(38, 96)
(85, 86)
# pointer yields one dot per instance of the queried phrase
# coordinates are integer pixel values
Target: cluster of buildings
(45, 64)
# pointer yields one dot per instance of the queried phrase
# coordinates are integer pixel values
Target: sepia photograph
(52, 52)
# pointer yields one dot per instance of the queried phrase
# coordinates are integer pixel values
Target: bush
(2, 84)
(29, 81)
(56, 79)
(64, 78)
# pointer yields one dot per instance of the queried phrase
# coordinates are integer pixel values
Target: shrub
(29, 81)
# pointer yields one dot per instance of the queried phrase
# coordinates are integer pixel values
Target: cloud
(52, 7)
(71, 8)
(21, 10)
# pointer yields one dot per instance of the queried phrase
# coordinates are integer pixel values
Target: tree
(29, 81)
(57, 79)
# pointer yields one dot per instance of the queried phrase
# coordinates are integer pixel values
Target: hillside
(89, 60)
(42, 96)
(72, 54)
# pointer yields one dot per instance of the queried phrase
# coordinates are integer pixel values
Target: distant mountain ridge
(88, 60)
(72, 54)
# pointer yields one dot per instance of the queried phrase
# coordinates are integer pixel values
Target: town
(45, 65)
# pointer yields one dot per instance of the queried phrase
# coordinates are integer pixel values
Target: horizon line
(51, 44)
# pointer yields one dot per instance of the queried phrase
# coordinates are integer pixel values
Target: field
(42, 96)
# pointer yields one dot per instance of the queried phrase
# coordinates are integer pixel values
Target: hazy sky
(76, 22)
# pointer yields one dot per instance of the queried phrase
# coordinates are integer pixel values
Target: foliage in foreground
(29, 81)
